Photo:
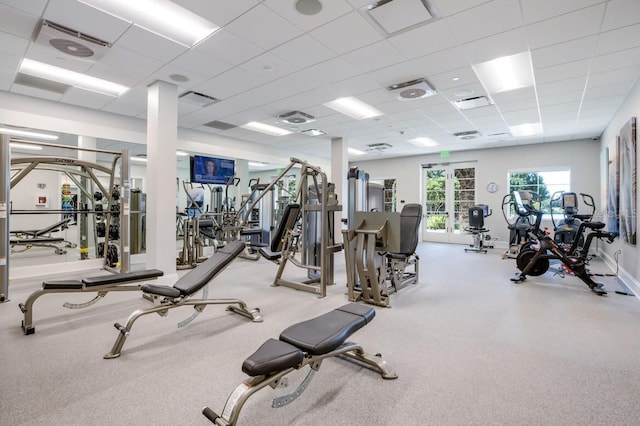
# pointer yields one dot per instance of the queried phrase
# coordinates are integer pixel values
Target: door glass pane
(435, 195)
(464, 193)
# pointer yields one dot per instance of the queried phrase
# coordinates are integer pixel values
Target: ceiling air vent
(394, 16)
(71, 42)
(296, 117)
(196, 98)
(380, 146)
(220, 125)
(470, 103)
(414, 89)
(468, 135)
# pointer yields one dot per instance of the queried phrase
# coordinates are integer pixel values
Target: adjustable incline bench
(41, 238)
(305, 343)
(180, 294)
(102, 285)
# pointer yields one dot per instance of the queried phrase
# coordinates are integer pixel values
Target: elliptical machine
(567, 230)
(519, 228)
(535, 260)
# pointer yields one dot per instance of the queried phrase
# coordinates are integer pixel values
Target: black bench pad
(270, 255)
(325, 333)
(197, 278)
(122, 277)
(39, 240)
(62, 285)
(273, 356)
(317, 336)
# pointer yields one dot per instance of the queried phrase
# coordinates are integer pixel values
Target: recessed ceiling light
(256, 164)
(355, 151)
(181, 153)
(313, 132)
(505, 73)
(455, 78)
(27, 133)
(526, 129)
(25, 146)
(161, 17)
(354, 108)
(265, 128)
(463, 93)
(423, 142)
(71, 78)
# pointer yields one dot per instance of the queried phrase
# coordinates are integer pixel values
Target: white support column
(162, 141)
(339, 171)
(5, 183)
(85, 224)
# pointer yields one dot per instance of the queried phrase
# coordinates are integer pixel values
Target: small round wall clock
(492, 187)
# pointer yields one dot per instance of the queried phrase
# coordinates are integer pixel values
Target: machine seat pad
(122, 277)
(327, 332)
(62, 285)
(273, 356)
(594, 225)
(400, 256)
(270, 255)
(250, 231)
(197, 278)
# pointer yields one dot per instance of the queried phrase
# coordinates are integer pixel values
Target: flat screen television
(212, 170)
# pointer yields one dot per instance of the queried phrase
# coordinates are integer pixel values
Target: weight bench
(305, 343)
(180, 294)
(102, 285)
(41, 238)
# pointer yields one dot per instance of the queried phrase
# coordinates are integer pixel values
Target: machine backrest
(410, 218)
(288, 221)
(476, 216)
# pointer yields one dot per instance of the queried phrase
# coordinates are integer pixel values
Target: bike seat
(594, 225)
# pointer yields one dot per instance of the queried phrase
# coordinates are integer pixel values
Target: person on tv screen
(210, 169)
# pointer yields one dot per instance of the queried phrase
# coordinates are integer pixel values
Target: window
(542, 183)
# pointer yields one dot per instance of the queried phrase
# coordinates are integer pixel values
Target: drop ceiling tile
(619, 39)
(333, 70)
(347, 33)
(33, 7)
(464, 77)
(560, 98)
(520, 104)
(130, 109)
(514, 95)
(17, 22)
(219, 12)
(620, 14)
(228, 48)
(621, 59)
(149, 44)
(374, 56)
(569, 85)
(628, 74)
(503, 44)
(85, 98)
(165, 73)
(122, 76)
(201, 64)
(562, 71)
(8, 70)
(451, 7)
(469, 24)
(420, 41)
(86, 19)
(263, 27)
(124, 58)
(12, 44)
(185, 108)
(613, 89)
(303, 51)
(230, 83)
(605, 101)
(523, 116)
(570, 26)
(268, 66)
(490, 111)
(36, 93)
(538, 10)
(330, 10)
(464, 92)
(562, 53)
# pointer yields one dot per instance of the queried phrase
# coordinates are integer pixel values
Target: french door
(448, 192)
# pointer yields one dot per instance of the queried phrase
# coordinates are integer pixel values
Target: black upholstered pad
(122, 277)
(62, 285)
(274, 355)
(38, 240)
(197, 278)
(325, 333)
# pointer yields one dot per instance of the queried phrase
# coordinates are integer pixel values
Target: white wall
(582, 157)
(629, 265)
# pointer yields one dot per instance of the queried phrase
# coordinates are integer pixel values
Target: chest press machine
(380, 254)
(306, 343)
